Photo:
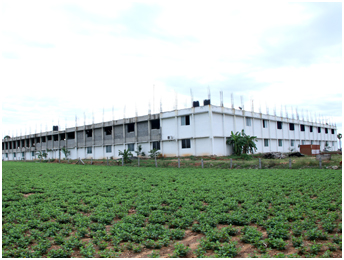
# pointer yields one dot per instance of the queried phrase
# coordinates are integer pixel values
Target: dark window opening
(88, 133)
(311, 128)
(3, 146)
(71, 135)
(185, 120)
(27, 143)
(43, 139)
(279, 125)
(14, 145)
(22, 143)
(108, 130)
(63, 137)
(10, 145)
(302, 128)
(155, 124)
(291, 127)
(156, 145)
(186, 143)
(265, 123)
(49, 137)
(326, 130)
(18, 144)
(56, 138)
(38, 140)
(131, 147)
(332, 131)
(131, 127)
(319, 129)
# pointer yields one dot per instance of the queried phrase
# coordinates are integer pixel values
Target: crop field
(66, 210)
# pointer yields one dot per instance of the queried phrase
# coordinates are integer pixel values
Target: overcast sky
(62, 59)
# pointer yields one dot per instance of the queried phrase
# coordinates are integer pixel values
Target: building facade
(197, 131)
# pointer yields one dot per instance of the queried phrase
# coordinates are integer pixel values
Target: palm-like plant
(126, 154)
(242, 143)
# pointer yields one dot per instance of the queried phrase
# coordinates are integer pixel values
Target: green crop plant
(49, 205)
(315, 248)
(180, 250)
(87, 251)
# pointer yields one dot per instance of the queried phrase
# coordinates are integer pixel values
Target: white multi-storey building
(198, 131)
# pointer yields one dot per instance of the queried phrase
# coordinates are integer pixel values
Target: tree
(65, 151)
(154, 153)
(139, 151)
(339, 136)
(126, 154)
(242, 143)
(41, 155)
(7, 137)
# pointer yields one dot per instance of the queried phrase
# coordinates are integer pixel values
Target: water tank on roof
(55, 127)
(206, 102)
(195, 104)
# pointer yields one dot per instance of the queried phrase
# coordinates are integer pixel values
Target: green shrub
(277, 243)
(108, 253)
(227, 250)
(87, 251)
(314, 248)
(180, 250)
(297, 241)
(59, 253)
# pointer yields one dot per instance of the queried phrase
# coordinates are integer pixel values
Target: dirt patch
(28, 194)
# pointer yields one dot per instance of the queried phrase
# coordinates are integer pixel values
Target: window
(22, 154)
(291, 142)
(131, 127)
(319, 129)
(56, 137)
(155, 124)
(156, 145)
(248, 121)
(302, 127)
(89, 133)
(291, 127)
(32, 153)
(186, 143)
(38, 140)
(14, 154)
(63, 137)
(303, 142)
(280, 142)
(332, 143)
(6, 155)
(49, 137)
(43, 139)
(266, 142)
(279, 125)
(326, 130)
(89, 150)
(311, 129)
(108, 148)
(131, 147)
(185, 120)
(332, 131)
(71, 135)
(265, 123)
(312, 142)
(108, 130)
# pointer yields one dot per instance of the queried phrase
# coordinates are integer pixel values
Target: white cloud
(89, 56)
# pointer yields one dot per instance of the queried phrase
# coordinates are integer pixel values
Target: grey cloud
(138, 21)
(306, 43)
